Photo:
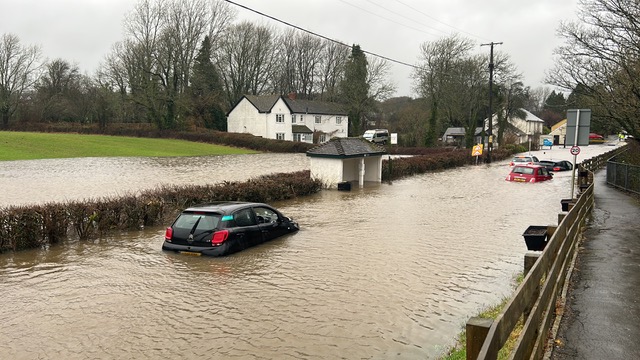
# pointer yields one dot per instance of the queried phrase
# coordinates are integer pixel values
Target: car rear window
(522, 170)
(207, 221)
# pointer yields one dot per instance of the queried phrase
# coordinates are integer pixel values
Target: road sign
(578, 127)
(477, 150)
(575, 150)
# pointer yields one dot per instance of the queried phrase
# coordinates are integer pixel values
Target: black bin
(344, 186)
(535, 237)
(565, 204)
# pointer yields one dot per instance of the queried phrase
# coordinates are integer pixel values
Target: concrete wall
(329, 171)
(333, 171)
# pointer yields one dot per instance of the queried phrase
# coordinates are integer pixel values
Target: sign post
(578, 127)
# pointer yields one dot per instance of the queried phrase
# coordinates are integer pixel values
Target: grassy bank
(31, 145)
(459, 352)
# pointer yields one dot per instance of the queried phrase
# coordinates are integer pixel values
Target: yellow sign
(477, 150)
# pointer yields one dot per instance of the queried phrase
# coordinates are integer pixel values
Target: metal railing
(623, 176)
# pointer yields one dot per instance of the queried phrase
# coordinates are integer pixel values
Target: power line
(319, 35)
(391, 20)
(443, 23)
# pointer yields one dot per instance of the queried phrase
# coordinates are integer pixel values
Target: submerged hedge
(25, 227)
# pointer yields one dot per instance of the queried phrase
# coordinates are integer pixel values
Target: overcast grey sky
(82, 31)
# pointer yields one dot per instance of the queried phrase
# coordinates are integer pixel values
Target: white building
(286, 118)
(526, 128)
(346, 160)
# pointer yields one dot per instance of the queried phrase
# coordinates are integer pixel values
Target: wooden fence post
(477, 330)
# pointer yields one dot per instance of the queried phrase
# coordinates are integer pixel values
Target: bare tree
(19, 68)
(157, 55)
(332, 62)
(601, 59)
(380, 88)
(58, 89)
(437, 65)
(247, 59)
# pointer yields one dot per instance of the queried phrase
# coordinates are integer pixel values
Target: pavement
(602, 311)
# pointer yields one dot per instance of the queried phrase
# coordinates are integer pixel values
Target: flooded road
(389, 271)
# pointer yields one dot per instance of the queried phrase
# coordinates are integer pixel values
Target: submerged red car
(529, 173)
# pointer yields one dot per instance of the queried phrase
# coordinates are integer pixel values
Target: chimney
(292, 96)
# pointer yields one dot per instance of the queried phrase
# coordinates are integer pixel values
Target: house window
(293, 118)
(301, 119)
(279, 118)
(280, 136)
(318, 119)
(338, 120)
(323, 138)
(298, 137)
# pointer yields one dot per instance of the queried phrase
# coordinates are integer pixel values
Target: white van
(377, 136)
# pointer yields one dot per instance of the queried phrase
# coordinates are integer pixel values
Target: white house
(525, 129)
(287, 118)
(346, 159)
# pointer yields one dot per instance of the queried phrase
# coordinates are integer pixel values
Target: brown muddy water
(389, 271)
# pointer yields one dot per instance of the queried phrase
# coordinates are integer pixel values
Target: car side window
(244, 217)
(265, 215)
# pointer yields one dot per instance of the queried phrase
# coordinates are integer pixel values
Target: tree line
(184, 64)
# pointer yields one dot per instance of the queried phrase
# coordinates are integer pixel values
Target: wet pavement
(602, 314)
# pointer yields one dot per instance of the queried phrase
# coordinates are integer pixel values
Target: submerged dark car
(222, 228)
(561, 165)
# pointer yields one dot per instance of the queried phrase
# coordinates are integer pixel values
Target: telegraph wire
(382, 17)
(405, 17)
(432, 18)
(321, 36)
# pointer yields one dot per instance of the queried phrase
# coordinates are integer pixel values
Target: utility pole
(490, 117)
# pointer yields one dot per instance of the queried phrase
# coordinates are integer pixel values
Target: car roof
(533, 166)
(224, 207)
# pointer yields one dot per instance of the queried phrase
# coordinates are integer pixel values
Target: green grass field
(30, 145)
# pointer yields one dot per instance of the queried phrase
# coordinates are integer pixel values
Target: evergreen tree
(206, 90)
(355, 90)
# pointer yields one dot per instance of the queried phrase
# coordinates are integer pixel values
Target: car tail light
(556, 169)
(219, 237)
(168, 234)
(511, 163)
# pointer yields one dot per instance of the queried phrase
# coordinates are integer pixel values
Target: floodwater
(388, 271)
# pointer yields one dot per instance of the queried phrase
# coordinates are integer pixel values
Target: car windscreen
(197, 222)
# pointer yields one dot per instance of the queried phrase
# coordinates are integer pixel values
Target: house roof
(301, 129)
(530, 117)
(346, 148)
(559, 124)
(459, 131)
(314, 107)
(264, 104)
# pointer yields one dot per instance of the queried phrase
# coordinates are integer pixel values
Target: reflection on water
(385, 271)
